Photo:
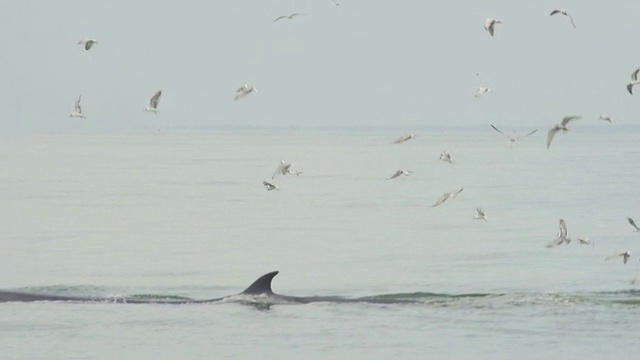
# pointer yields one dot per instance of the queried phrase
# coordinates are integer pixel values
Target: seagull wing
(633, 223)
(155, 99)
(634, 75)
(559, 240)
(630, 87)
(498, 130)
(280, 18)
(551, 134)
(570, 19)
(442, 199)
(554, 12)
(530, 133)
(296, 14)
(398, 173)
(614, 256)
(77, 105)
(567, 119)
(563, 228)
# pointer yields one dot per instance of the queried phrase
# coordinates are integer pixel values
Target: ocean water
(184, 213)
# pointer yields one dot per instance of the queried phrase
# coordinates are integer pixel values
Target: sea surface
(169, 212)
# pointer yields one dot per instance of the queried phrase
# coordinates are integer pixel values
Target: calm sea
(184, 213)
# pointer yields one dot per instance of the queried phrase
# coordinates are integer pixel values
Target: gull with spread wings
(565, 13)
(446, 196)
(400, 173)
(290, 17)
(512, 139)
(634, 81)
(489, 25)
(624, 255)
(562, 126)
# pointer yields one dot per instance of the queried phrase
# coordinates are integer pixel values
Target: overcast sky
(364, 63)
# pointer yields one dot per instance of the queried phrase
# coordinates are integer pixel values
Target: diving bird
(562, 237)
(481, 91)
(243, 91)
(480, 214)
(282, 169)
(77, 112)
(606, 118)
(562, 126)
(400, 173)
(290, 17)
(269, 186)
(446, 196)
(446, 157)
(489, 25)
(153, 102)
(403, 138)
(625, 256)
(563, 12)
(512, 139)
(87, 42)
(634, 81)
(633, 223)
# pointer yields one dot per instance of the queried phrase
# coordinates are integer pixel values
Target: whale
(259, 291)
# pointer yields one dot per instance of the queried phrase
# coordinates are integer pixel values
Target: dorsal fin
(262, 285)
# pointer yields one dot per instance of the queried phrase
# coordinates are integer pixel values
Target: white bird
(77, 112)
(87, 42)
(481, 91)
(625, 256)
(512, 139)
(269, 186)
(290, 17)
(399, 173)
(282, 169)
(446, 157)
(243, 91)
(563, 12)
(634, 81)
(633, 223)
(489, 25)
(480, 214)
(606, 118)
(153, 102)
(446, 196)
(563, 236)
(562, 126)
(403, 138)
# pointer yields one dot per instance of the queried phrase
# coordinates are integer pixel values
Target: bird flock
(490, 25)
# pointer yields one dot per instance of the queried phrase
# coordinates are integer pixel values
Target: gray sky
(364, 63)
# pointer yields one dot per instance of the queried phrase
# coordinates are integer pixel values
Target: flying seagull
(625, 256)
(153, 102)
(290, 17)
(446, 196)
(446, 157)
(633, 223)
(489, 25)
(243, 91)
(563, 12)
(399, 173)
(77, 112)
(562, 126)
(606, 118)
(512, 139)
(403, 138)
(480, 214)
(586, 241)
(269, 186)
(284, 169)
(634, 81)
(87, 42)
(563, 236)
(481, 91)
